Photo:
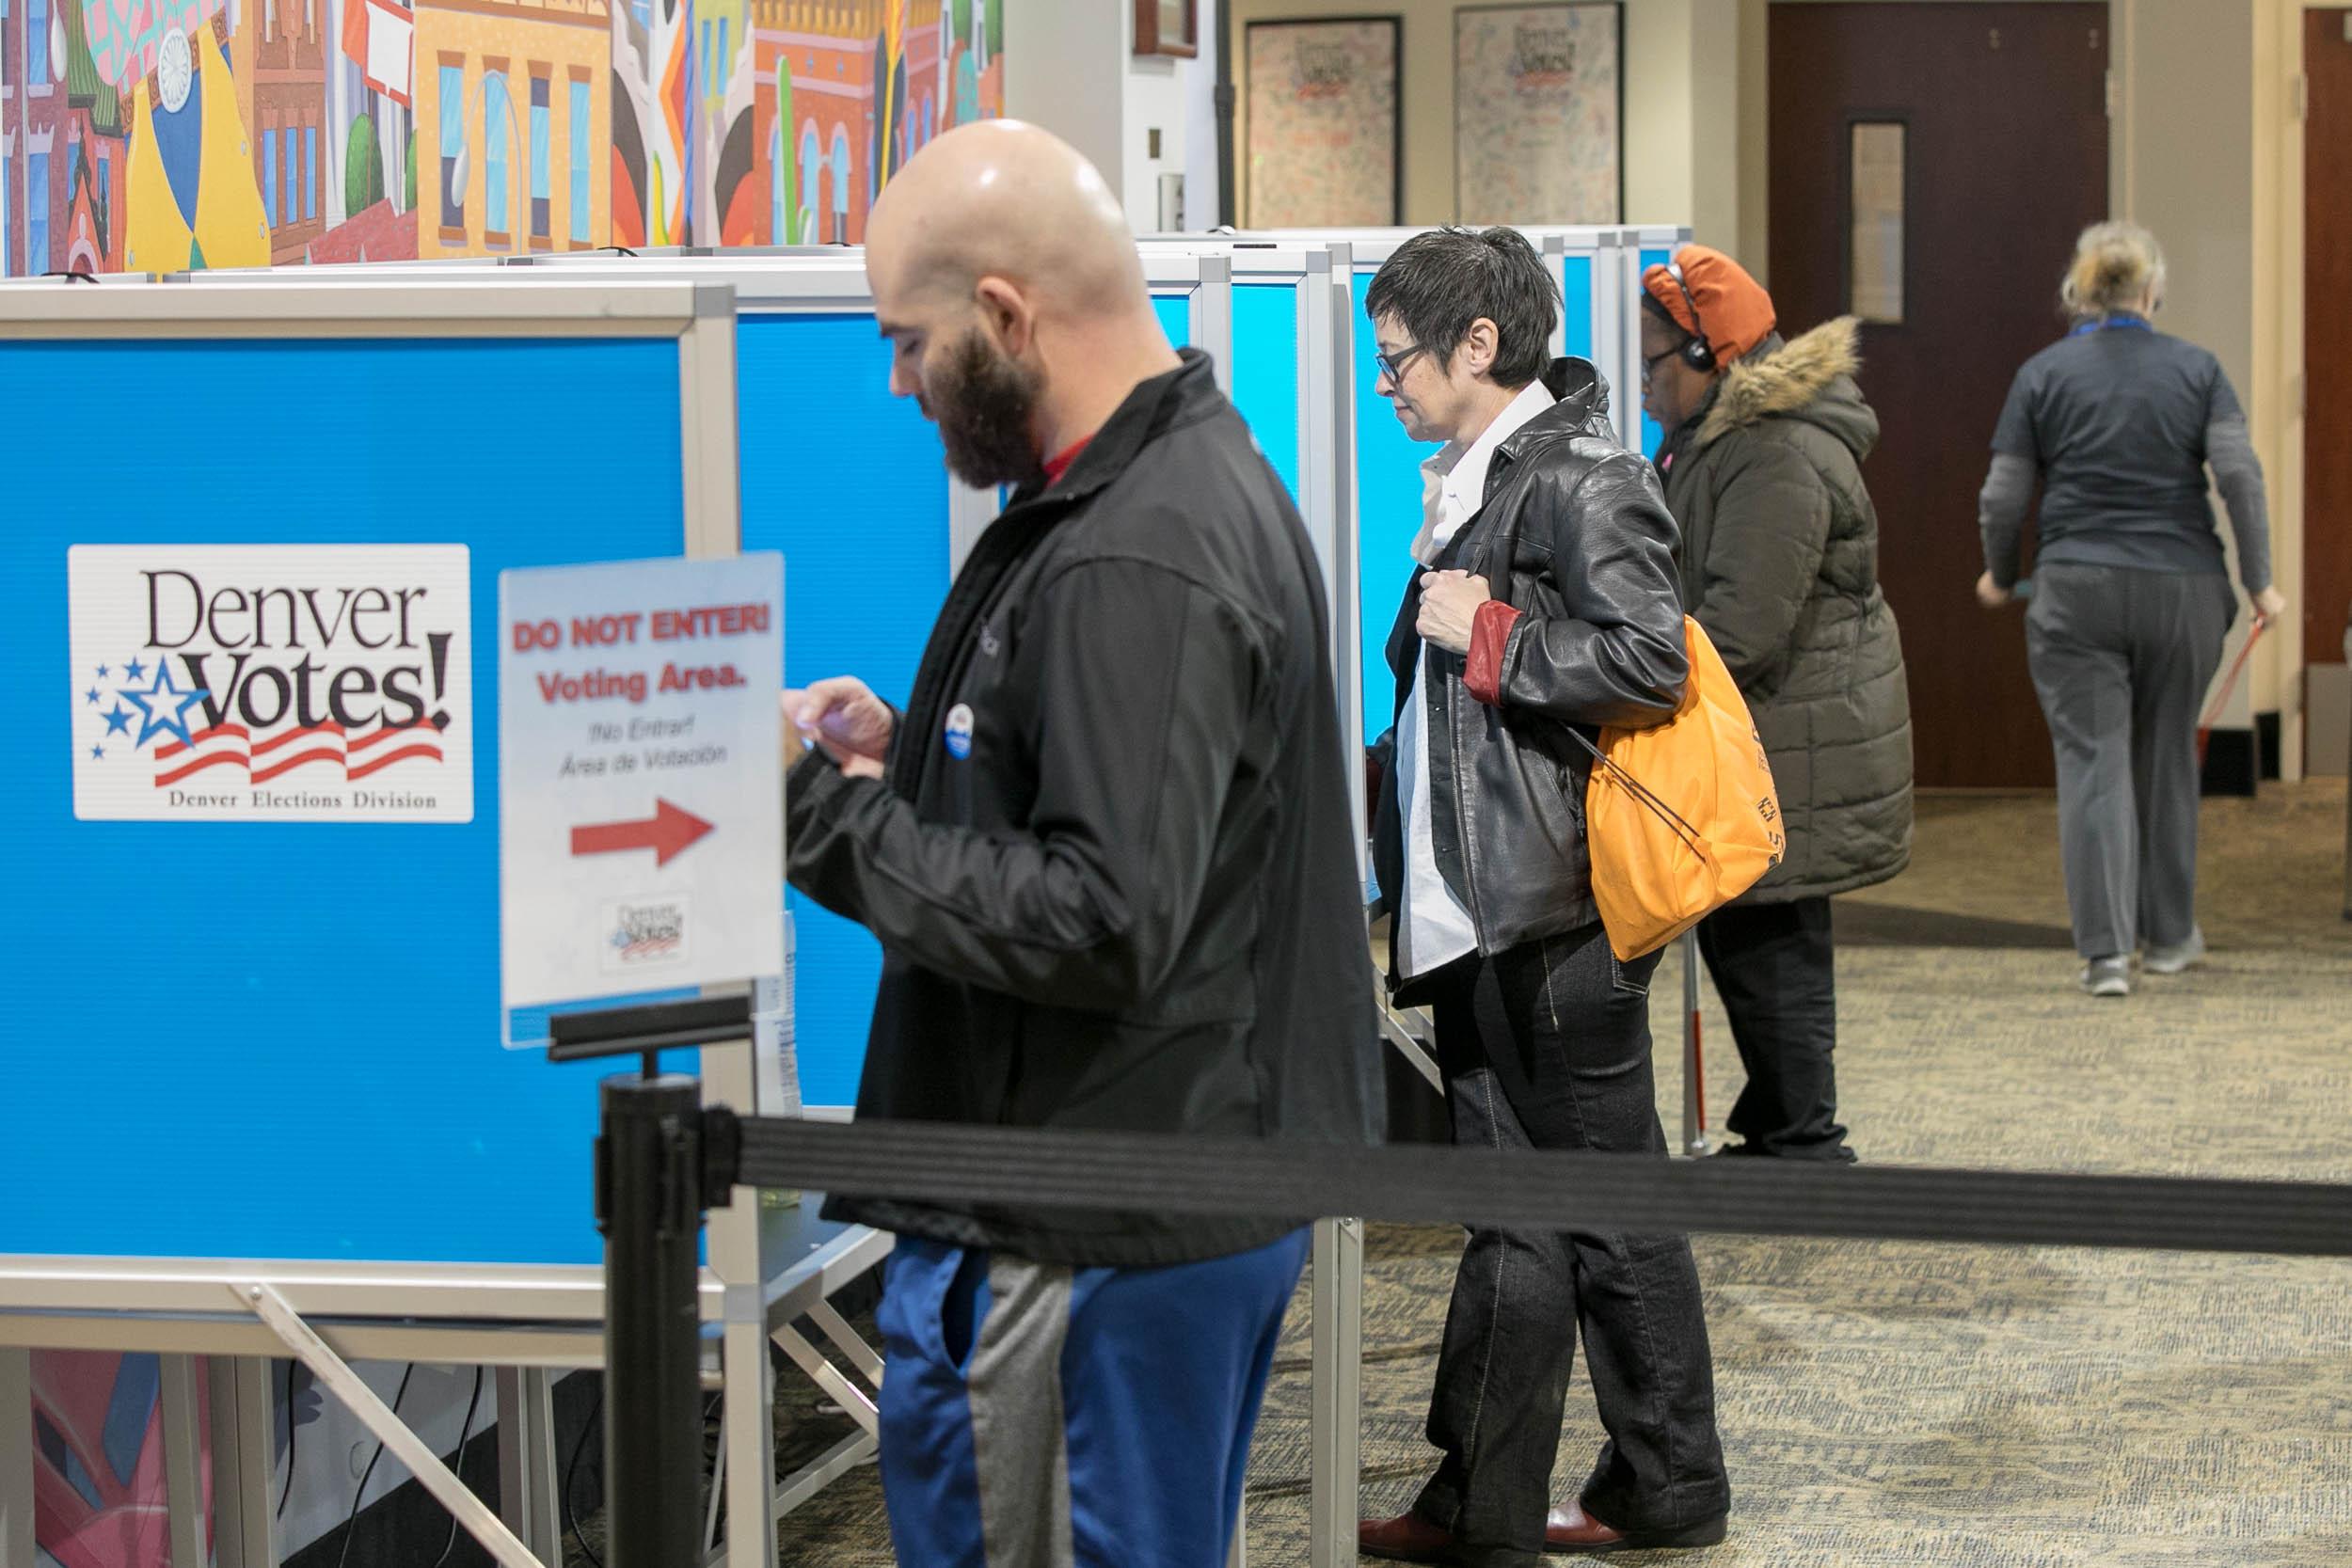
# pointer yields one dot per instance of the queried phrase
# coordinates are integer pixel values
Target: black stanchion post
(649, 1205)
(661, 1160)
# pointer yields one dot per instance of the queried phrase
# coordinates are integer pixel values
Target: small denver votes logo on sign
(644, 933)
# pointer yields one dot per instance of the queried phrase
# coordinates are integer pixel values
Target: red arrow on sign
(666, 832)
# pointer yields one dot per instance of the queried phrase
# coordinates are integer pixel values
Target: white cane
(1694, 1063)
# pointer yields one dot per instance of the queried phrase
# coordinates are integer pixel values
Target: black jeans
(1775, 968)
(1548, 1046)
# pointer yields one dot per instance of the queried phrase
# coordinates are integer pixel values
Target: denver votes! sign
(271, 683)
(640, 788)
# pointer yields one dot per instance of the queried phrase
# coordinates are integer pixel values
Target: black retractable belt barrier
(654, 1469)
(1542, 1190)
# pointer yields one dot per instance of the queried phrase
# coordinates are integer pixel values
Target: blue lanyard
(2122, 322)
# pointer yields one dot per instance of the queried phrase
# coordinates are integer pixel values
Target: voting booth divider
(417, 1184)
(1289, 375)
(264, 1109)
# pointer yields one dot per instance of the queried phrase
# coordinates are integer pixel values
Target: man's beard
(984, 405)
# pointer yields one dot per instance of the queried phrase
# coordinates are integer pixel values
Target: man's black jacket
(1110, 868)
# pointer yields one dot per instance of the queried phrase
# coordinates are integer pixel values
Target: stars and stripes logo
(148, 705)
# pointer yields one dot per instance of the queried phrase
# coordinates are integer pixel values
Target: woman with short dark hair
(1542, 596)
(2131, 602)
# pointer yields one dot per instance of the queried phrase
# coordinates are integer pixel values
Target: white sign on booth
(271, 683)
(641, 785)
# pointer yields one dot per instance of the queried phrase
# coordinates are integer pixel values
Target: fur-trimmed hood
(1809, 378)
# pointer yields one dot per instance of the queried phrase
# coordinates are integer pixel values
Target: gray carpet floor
(1991, 1407)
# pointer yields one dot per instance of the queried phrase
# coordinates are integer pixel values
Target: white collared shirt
(1433, 927)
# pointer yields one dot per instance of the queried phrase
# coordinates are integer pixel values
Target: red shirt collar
(1059, 463)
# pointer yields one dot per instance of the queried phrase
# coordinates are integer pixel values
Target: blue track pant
(1042, 1417)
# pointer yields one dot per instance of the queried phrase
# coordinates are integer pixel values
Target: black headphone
(1696, 353)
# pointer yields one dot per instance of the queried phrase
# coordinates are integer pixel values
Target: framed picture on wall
(1538, 113)
(1168, 28)
(1324, 144)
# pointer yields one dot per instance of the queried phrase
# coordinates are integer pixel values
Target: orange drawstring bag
(1681, 817)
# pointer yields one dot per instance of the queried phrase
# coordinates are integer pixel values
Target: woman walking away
(2131, 601)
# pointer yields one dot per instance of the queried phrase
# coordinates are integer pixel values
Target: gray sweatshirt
(2117, 423)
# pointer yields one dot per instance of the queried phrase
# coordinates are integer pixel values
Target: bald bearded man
(1106, 850)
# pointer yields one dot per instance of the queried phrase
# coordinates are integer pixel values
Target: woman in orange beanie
(1762, 463)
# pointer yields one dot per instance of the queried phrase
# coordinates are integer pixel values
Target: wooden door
(2002, 154)
(2326, 336)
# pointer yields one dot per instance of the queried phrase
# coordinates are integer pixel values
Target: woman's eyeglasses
(1392, 365)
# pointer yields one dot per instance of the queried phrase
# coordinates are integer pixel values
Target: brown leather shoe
(1407, 1538)
(1572, 1530)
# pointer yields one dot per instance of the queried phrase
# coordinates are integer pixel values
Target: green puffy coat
(1780, 565)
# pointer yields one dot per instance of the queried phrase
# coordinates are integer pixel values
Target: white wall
(1066, 69)
(1156, 101)
(1682, 115)
(1753, 133)
(2199, 143)
(2277, 386)
(1717, 47)
(2182, 162)
(1072, 69)
(1201, 161)
(1659, 116)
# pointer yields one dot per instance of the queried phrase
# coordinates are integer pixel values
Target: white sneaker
(2110, 976)
(2181, 955)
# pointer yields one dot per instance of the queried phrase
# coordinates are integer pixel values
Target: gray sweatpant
(2121, 660)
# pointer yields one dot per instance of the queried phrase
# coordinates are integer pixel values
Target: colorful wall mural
(155, 135)
(97, 1458)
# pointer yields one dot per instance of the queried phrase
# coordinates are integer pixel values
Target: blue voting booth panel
(1576, 305)
(282, 1040)
(1652, 437)
(1265, 369)
(1175, 313)
(1388, 515)
(849, 483)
